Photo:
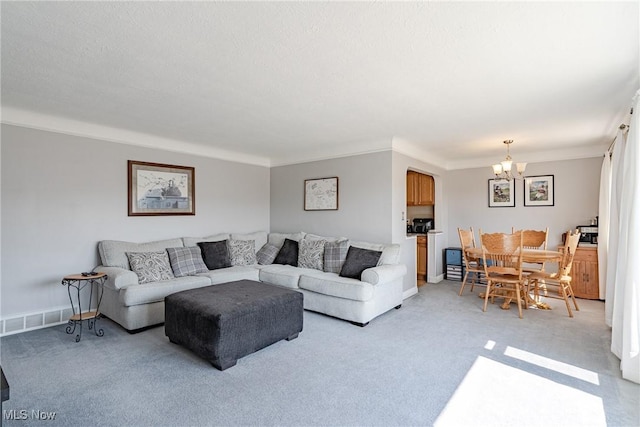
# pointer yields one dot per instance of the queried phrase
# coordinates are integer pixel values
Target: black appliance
(422, 225)
(588, 234)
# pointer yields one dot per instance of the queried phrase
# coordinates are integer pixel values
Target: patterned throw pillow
(243, 252)
(334, 255)
(150, 266)
(267, 254)
(288, 254)
(358, 260)
(186, 261)
(311, 254)
(215, 254)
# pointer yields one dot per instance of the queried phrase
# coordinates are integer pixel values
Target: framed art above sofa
(159, 189)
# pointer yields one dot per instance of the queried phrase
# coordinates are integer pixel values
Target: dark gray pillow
(215, 254)
(288, 254)
(357, 261)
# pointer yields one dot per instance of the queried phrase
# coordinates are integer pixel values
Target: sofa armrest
(383, 273)
(118, 278)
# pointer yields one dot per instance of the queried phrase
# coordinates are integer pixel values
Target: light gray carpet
(431, 362)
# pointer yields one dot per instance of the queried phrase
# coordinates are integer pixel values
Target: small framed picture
(321, 194)
(502, 193)
(538, 190)
(158, 189)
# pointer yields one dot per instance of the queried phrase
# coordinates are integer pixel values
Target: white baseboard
(409, 292)
(31, 321)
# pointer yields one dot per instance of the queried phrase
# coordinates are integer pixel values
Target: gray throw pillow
(267, 254)
(288, 254)
(357, 261)
(186, 261)
(311, 253)
(150, 266)
(243, 252)
(215, 254)
(334, 255)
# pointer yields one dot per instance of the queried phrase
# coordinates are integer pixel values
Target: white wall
(577, 186)
(62, 194)
(364, 190)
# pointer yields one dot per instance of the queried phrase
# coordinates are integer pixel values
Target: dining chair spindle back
(473, 266)
(502, 262)
(560, 281)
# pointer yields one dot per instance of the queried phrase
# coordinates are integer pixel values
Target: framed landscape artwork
(158, 189)
(321, 194)
(538, 190)
(502, 193)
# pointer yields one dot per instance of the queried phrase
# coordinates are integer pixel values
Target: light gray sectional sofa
(316, 273)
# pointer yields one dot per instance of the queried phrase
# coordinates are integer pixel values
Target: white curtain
(623, 293)
(603, 221)
(614, 203)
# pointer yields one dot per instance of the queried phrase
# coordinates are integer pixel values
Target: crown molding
(29, 119)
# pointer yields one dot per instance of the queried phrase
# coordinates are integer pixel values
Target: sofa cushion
(358, 260)
(267, 254)
(215, 254)
(186, 261)
(334, 255)
(156, 291)
(283, 275)
(390, 253)
(311, 253)
(333, 285)
(288, 254)
(279, 238)
(150, 266)
(242, 252)
(259, 238)
(113, 253)
(231, 274)
(193, 241)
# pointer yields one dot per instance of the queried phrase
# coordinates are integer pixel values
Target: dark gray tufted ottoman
(225, 322)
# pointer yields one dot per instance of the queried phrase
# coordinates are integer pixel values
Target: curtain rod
(622, 127)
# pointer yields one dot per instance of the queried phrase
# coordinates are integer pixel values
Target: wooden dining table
(528, 256)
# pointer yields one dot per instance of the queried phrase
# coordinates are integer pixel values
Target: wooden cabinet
(421, 262)
(584, 273)
(420, 189)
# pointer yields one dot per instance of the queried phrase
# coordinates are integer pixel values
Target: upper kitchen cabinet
(420, 189)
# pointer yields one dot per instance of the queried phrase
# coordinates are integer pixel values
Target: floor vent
(32, 321)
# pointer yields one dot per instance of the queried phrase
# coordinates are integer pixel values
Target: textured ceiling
(283, 82)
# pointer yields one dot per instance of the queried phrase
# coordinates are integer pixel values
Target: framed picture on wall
(502, 193)
(321, 194)
(538, 190)
(159, 189)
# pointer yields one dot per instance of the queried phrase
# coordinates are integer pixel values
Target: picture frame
(539, 190)
(160, 189)
(502, 193)
(321, 194)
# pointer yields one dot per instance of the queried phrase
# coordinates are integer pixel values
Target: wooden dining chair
(533, 239)
(502, 262)
(560, 281)
(472, 265)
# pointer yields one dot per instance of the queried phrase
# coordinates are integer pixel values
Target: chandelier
(502, 170)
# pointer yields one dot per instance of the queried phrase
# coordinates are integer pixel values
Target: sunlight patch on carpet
(554, 365)
(495, 394)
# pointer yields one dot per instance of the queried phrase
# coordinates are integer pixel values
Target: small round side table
(95, 282)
